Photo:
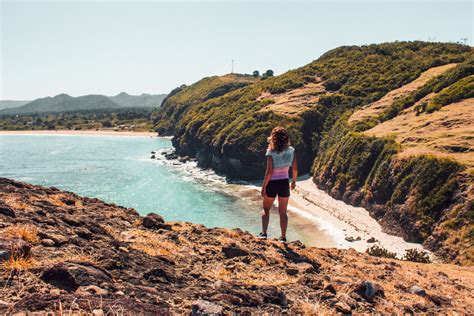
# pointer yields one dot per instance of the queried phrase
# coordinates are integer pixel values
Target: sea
(120, 170)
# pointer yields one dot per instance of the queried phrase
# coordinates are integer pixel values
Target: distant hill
(6, 104)
(63, 103)
(144, 100)
(66, 103)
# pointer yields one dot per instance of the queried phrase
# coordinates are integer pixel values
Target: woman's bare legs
(282, 207)
(267, 205)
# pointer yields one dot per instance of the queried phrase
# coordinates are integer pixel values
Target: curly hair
(278, 139)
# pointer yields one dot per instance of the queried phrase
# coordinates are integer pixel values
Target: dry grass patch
(374, 109)
(149, 243)
(18, 264)
(258, 278)
(295, 101)
(56, 199)
(26, 232)
(447, 132)
(305, 307)
(15, 201)
(80, 255)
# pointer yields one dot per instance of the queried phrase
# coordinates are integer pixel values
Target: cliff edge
(62, 252)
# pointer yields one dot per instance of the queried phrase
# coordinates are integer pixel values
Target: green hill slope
(180, 99)
(315, 102)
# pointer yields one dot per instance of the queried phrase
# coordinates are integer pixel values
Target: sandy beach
(81, 132)
(342, 220)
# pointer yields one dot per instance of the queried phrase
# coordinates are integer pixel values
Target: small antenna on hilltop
(232, 66)
(464, 40)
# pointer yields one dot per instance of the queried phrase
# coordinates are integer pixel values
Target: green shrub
(377, 251)
(416, 255)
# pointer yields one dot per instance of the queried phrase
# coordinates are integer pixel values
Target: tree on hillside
(268, 73)
(256, 73)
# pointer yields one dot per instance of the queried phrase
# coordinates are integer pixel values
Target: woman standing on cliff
(280, 157)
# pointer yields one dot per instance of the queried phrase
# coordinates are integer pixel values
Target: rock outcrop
(84, 255)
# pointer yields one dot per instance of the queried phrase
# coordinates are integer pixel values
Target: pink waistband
(280, 173)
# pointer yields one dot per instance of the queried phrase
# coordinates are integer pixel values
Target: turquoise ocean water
(118, 169)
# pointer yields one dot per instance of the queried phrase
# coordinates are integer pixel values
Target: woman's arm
(294, 172)
(268, 174)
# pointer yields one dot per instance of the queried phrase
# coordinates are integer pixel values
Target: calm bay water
(118, 169)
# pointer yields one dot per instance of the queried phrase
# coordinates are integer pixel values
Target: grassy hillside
(181, 98)
(412, 196)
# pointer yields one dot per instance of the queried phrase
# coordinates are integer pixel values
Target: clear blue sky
(107, 47)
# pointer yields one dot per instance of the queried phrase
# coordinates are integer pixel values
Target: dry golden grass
(56, 199)
(18, 264)
(78, 203)
(447, 132)
(246, 275)
(305, 307)
(259, 262)
(374, 109)
(15, 201)
(295, 101)
(26, 232)
(149, 242)
(80, 255)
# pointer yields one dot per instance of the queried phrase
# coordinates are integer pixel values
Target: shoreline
(336, 219)
(80, 132)
(346, 220)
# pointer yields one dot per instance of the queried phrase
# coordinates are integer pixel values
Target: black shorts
(278, 187)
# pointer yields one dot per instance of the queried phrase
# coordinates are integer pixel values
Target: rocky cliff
(61, 252)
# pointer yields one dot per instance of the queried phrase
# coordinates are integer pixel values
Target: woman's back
(281, 162)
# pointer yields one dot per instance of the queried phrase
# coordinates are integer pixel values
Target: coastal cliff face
(386, 126)
(62, 252)
(424, 199)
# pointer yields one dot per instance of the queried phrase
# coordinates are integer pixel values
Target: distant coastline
(80, 132)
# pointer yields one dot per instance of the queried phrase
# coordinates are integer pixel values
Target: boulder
(153, 220)
(58, 239)
(91, 290)
(368, 290)
(342, 308)
(159, 275)
(183, 159)
(202, 307)
(14, 247)
(415, 289)
(70, 276)
(232, 251)
(5, 210)
(371, 240)
(48, 242)
(300, 268)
